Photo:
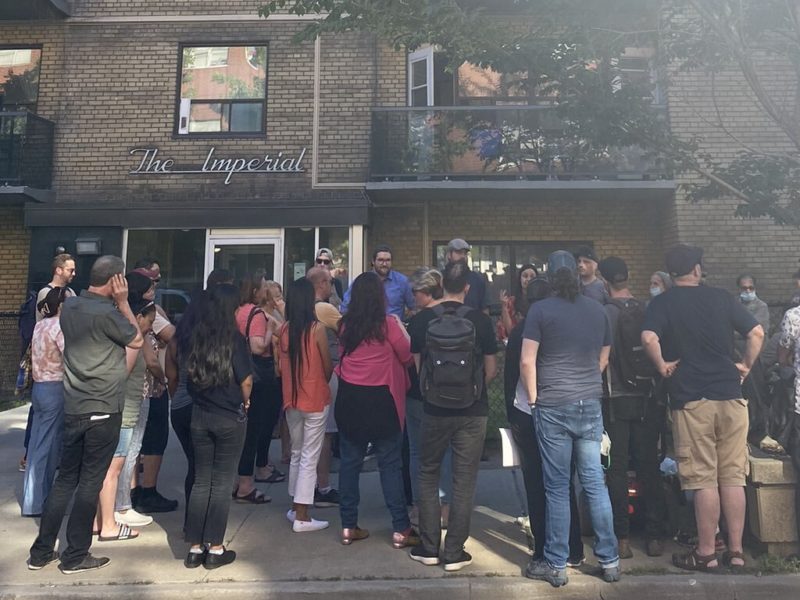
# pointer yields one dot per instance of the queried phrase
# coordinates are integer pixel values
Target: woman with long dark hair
(220, 381)
(177, 378)
(515, 307)
(305, 369)
(370, 405)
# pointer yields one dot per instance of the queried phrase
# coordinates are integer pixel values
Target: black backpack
(632, 366)
(27, 319)
(451, 370)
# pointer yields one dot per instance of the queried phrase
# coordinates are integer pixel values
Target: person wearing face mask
(660, 282)
(754, 305)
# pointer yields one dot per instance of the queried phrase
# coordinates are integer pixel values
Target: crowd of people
(394, 360)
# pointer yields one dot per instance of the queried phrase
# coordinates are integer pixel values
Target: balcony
(26, 156)
(504, 146)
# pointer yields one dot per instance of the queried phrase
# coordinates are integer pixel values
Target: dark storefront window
(300, 250)
(19, 78)
(223, 89)
(499, 262)
(181, 255)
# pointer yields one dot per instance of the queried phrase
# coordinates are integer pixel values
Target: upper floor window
(19, 78)
(223, 89)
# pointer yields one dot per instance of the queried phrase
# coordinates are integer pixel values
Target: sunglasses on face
(323, 261)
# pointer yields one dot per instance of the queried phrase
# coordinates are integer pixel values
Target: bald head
(320, 278)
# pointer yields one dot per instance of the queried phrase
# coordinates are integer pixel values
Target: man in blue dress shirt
(398, 291)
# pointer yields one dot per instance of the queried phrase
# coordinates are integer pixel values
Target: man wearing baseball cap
(633, 419)
(688, 334)
(457, 249)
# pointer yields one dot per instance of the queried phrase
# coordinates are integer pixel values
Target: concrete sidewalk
(274, 562)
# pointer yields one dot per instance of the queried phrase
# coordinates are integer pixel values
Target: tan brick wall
(630, 229)
(14, 249)
(697, 103)
(104, 8)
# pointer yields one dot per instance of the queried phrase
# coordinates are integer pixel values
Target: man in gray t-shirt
(566, 345)
(96, 333)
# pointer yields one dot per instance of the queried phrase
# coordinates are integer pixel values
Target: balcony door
(420, 77)
(245, 251)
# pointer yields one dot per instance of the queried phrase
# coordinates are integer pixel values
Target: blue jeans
(44, 447)
(566, 432)
(414, 411)
(388, 451)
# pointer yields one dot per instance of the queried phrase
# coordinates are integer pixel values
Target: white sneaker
(312, 525)
(131, 518)
(290, 515)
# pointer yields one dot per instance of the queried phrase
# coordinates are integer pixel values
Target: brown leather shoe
(353, 535)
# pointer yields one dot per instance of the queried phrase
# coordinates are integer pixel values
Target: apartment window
(19, 78)
(223, 90)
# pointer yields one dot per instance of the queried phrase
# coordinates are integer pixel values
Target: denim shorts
(125, 437)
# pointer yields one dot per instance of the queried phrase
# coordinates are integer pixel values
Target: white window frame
(423, 54)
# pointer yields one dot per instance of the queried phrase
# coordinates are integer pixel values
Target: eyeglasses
(323, 261)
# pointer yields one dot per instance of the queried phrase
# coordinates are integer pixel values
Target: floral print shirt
(47, 349)
(790, 338)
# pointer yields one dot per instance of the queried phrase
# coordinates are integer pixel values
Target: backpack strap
(253, 312)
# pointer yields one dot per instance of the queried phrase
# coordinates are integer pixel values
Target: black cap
(613, 269)
(682, 258)
(586, 252)
(140, 305)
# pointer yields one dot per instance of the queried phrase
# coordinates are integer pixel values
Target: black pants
(524, 435)
(262, 416)
(466, 436)
(634, 442)
(217, 443)
(156, 432)
(182, 426)
(89, 444)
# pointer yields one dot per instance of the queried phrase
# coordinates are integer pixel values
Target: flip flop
(125, 533)
(254, 497)
(275, 477)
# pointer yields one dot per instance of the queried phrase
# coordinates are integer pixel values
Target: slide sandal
(125, 533)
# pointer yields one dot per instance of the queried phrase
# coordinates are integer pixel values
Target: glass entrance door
(242, 255)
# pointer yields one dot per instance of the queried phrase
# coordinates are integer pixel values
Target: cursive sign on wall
(153, 164)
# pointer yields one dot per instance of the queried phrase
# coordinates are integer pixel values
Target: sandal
(692, 561)
(124, 533)
(727, 558)
(275, 477)
(254, 497)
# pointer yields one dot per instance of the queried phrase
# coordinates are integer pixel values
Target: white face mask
(747, 296)
(655, 291)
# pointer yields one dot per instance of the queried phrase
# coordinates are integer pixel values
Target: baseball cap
(458, 244)
(538, 289)
(561, 259)
(149, 273)
(682, 258)
(138, 305)
(586, 252)
(613, 269)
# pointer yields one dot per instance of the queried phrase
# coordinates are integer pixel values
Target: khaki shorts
(711, 443)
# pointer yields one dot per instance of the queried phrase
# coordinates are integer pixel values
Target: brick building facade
(373, 169)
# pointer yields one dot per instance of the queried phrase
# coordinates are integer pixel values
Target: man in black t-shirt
(688, 334)
(462, 429)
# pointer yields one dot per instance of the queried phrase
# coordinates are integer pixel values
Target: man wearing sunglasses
(325, 260)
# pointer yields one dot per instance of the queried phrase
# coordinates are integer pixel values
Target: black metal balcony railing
(492, 142)
(26, 150)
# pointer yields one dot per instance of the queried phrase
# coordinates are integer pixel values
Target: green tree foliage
(570, 51)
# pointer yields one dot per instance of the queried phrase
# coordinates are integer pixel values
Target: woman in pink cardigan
(370, 405)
